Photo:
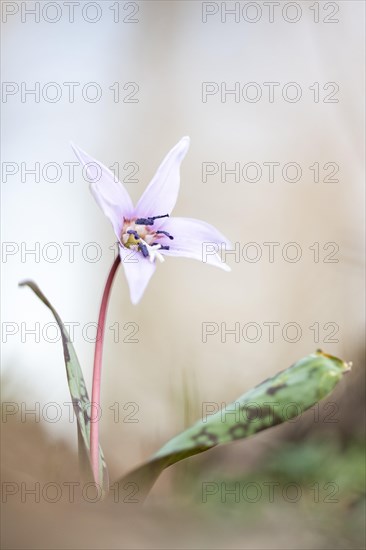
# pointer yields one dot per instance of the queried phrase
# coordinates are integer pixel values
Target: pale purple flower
(146, 232)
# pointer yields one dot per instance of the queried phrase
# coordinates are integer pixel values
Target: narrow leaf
(79, 396)
(277, 399)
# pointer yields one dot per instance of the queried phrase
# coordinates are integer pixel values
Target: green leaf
(79, 396)
(277, 399)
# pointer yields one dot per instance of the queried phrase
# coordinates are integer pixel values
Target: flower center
(140, 235)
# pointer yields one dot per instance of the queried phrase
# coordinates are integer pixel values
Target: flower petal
(195, 239)
(138, 270)
(109, 193)
(161, 194)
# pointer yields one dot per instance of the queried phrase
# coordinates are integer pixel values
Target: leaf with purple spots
(284, 396)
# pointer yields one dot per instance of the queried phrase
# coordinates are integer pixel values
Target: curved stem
(97, 373)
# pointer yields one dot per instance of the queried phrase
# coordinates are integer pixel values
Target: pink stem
(97, 372)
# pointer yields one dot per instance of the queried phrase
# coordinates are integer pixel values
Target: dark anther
(144, 221)
(162, 247)
(166, 234)
(134, 233)
(144, 250)
(150, 220)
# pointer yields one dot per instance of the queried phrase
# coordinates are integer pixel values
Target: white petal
(195, 239)
(110, 194)
(209, 258)
(138, 270)
(161, 194)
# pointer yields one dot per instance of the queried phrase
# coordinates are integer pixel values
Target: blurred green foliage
(316, 484)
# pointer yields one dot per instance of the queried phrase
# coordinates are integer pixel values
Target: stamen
(166, 234)
(152, 251)
(150, 220)
(162, 247)
(144, 250)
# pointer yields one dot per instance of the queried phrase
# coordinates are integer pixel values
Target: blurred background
(125, 81)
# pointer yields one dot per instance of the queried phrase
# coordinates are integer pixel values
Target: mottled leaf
(79, 396)
(277, 399)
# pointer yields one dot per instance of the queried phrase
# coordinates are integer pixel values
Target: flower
(147, 233)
